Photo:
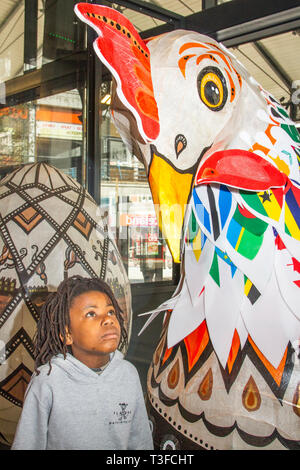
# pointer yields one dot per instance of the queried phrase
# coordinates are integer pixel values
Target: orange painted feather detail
(196, 343)
(275, 373)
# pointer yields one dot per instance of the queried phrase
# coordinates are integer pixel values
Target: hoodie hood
(79, 371)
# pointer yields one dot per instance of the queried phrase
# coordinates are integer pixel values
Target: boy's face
(94, 328)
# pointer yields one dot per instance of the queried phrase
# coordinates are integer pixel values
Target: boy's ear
(69, 339)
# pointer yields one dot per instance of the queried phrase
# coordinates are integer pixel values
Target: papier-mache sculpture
(51, 228)
(222, 159)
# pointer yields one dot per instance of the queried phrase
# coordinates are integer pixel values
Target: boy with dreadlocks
(83, 394)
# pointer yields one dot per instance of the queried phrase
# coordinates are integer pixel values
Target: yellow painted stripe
(291, 223)
(197, 245)
(247, 287)
(272, 207)
(239, 239)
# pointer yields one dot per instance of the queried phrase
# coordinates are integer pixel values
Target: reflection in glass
(62, 33)
(47, 130)
(11, 40)
(59, 132)
(57, 33)
(126, 196)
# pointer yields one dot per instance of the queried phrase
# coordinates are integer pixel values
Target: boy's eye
(90, 314)
(111, 312)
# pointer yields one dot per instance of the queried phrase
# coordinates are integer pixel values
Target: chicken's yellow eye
(212, 88)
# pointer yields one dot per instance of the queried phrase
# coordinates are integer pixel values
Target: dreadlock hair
(50, 338)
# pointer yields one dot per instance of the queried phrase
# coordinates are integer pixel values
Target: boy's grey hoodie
(75, 408)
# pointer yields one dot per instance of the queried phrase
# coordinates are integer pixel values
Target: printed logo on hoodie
(122, 416)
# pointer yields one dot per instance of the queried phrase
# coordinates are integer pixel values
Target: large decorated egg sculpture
(51, 228)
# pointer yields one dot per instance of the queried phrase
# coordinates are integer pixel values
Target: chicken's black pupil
(212, 93)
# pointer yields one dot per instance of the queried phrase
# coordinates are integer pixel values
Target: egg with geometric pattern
(51, 228)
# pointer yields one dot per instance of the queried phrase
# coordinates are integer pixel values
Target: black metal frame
(233, 23)
(92, 119)
(30, 34)
(54, 77)
(149, 9)
(240, 21)
(282, 74)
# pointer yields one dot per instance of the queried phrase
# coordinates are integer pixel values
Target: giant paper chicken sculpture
(222, 159)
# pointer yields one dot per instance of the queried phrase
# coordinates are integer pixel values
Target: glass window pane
(47, 130)
(59, 132)
(11, 40)
(126, 195)
(15, 136)
(60, 31)
(54, 32)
